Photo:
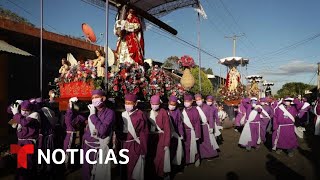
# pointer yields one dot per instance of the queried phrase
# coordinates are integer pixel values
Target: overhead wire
(237, 24)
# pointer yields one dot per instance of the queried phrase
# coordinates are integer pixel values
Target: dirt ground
(235, 163)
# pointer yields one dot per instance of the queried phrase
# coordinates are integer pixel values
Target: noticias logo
(23, 151)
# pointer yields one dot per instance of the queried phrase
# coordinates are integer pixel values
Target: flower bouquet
(186, 62)
(133, 78)
(187, 80)
(79, 81)
(232, 97)
(79, 72)
(129, 79)
(162, 84)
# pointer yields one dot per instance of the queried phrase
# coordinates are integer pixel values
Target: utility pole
(106, 45)
(234, 38)
(41, 37)
(199, 53)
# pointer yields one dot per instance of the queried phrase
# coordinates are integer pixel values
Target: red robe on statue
(134, 39)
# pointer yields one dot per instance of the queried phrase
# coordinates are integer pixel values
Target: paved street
(236, 163)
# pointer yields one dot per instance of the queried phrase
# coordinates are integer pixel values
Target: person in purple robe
(266, 116)
(132, 131)
(250, 135)
(275, 104)
(73, 121)
(284, 137)
(192, 126)
(158, 158)
(316, 111)
(208, 145)
(48, 121)
(27, 124)
(177, 132)
(303, 116)
(217, 123)
(241, 116)
(97, 135)
(46, 138)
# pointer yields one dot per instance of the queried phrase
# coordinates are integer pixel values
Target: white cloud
(293, 68)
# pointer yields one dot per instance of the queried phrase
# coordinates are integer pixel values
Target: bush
(206, 85)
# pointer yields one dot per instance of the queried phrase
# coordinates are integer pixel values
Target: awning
(234, 61)
(156, 8)
(4, 46)
(151, 10)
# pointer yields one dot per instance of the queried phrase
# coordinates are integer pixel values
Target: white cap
(254, 99)
(288, 99)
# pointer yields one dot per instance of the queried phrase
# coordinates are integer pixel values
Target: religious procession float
(267, 90)
(127, 70)
(233, 91)
(254, 81)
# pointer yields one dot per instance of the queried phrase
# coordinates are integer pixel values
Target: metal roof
(4, 46)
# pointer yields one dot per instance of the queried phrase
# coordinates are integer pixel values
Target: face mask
(287, 103)
(155, 107)
(171, 108)
(209, 103)
(128, 108)
(96, 102)
(52, 95)
(25, 113)
(187, 104)
(199, 103)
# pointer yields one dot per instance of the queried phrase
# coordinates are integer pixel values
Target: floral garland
(133, 78)
(227, 95)
(162, 84)
(79, 72)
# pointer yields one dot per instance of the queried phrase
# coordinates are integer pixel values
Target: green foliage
(276, 96)
(206, 85)
(98, 82)
(171, 62)
(293, 89)
(209, 71)
(4, 13)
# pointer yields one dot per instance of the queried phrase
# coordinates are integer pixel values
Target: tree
(206, 85)
(293, 89)
(171, 62)
(209, 71)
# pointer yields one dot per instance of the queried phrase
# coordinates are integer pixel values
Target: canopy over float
(234, 61)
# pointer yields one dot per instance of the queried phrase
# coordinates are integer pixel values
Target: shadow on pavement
(313, 143)
(280, 171)
(232, 176)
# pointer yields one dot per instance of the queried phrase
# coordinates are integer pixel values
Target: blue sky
(269, 25)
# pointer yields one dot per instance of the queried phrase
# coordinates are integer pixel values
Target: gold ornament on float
(187, 80)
